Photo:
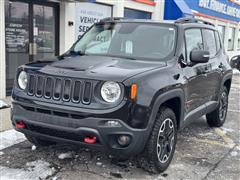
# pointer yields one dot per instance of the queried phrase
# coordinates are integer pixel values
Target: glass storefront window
(43, 30)
(222, 31)
(17, 38)
(136, 14)
(231, 36)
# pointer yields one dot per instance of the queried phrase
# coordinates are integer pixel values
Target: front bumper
(61, 126)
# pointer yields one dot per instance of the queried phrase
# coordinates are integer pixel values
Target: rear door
(213, 68)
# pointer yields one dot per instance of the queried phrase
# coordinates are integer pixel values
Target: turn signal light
(90, 140)
(133, 95)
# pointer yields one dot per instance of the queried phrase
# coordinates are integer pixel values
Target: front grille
(60, 89)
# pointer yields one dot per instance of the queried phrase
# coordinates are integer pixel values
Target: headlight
(22, 80)
(110, 91)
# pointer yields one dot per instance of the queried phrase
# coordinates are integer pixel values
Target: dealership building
(35, 29)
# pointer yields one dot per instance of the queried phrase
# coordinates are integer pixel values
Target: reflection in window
(238, 47)
(210, 42)
(131, 40)
(221, 29)
(193, 40)
(231, 36)
(44, 28)
(17, 24)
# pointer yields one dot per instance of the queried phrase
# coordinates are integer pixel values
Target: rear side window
(210, 42)
(194, 40)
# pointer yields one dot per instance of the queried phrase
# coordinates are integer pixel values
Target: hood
(96, 67)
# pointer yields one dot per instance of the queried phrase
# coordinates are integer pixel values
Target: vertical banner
(87, 14)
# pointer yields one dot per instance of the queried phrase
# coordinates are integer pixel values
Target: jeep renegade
(126, 87)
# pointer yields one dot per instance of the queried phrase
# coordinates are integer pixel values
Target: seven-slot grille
(63, 89)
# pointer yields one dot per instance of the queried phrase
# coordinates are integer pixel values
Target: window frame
(203, 39)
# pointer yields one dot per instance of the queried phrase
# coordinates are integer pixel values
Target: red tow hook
(20, 125)
(90, 140)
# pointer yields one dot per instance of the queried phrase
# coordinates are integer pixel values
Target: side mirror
(199, 56)
(235, 62)
(236, 58)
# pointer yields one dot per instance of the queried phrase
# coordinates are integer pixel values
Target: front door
(31, 34)
(196, 88)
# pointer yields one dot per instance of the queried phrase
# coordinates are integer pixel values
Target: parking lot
(201, 153)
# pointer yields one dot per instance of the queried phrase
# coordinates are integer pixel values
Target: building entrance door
(31, 34)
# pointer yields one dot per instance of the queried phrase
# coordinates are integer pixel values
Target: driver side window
(194, 41)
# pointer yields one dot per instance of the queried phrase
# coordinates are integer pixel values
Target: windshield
(130, 40)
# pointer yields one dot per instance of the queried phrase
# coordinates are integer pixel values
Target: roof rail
(111, 19)
(192, 20)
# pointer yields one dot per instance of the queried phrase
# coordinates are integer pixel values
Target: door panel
(17, 38)
(31, 34)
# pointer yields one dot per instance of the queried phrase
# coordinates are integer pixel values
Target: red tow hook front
(20, 125)
(90, 140)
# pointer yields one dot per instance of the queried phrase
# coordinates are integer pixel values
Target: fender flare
(174, 93)
(225, 78)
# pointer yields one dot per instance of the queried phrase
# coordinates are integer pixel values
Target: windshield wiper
(80, 53)
(70, 53)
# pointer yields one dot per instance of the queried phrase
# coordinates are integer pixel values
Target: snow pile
(34, 148)
(235, 71)
(67, 155)
(10, 137)
(34, 171)
(3, 105)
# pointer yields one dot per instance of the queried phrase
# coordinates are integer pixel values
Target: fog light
(112, 124)
(123, 140)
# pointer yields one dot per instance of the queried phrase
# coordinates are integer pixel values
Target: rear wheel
(218, 116)
(161, 145)
(38, 142)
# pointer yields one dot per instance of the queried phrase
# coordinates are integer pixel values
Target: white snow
(99, 164)
(234, 153)
(225, 130)
(235, 71)
(10, 137)
(67, 155)
(1, 153)
(34, 148)
(33, 171)
(3, 104)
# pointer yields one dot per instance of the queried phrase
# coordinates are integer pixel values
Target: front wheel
(161, 144)
(218, 116)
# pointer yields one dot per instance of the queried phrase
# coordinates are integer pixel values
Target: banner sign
(87, 14)
(225, 9)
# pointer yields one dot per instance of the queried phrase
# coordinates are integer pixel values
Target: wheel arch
(227, 80)
(173, 99)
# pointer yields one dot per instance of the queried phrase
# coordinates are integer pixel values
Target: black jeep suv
(126, 87)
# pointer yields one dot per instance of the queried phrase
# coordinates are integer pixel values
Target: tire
(38, 142)
(218, 116)
(161, 144)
